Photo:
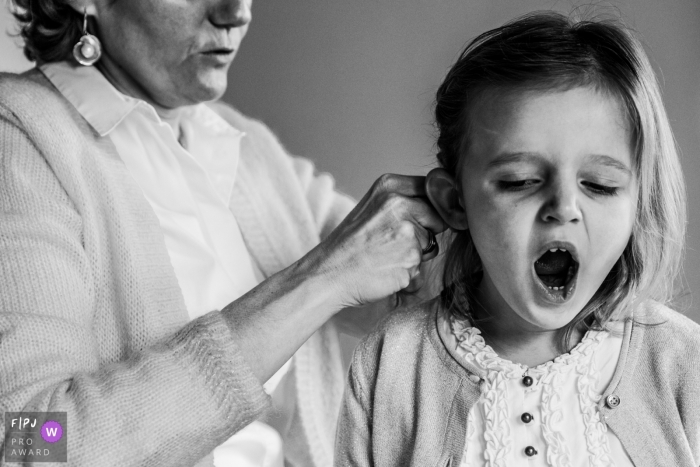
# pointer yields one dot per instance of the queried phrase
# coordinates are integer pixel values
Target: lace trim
(497, 430)
(497, 434)
(558, 453)
(473, 348)
(596, 441)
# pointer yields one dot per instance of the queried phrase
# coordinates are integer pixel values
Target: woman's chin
(207, 85)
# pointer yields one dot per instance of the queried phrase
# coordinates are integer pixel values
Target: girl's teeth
(556, 288)
(552, 250)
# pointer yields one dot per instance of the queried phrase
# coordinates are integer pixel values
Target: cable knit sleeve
(167, 403)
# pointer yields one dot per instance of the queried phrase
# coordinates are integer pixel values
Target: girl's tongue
(555, 268)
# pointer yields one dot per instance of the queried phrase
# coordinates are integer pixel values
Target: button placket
(528, 443)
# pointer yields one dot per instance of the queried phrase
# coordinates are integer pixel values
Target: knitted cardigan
(92, 320)
(408, 396)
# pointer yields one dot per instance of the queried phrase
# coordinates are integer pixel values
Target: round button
(612, 401)
(530, 451)
(527, 381)
(526, 417)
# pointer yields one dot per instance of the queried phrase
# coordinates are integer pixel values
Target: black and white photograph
(364, 233)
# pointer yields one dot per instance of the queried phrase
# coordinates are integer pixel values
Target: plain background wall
(350, 83)
(11, 57)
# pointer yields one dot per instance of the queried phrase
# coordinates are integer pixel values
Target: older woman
(160, 257)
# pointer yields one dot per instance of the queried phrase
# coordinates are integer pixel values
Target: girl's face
(550, 198)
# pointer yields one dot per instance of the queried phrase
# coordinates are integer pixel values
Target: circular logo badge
(51, 431)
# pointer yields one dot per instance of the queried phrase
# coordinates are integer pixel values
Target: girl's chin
(549, 319)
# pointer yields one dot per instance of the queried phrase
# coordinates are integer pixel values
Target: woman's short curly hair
(50, 29)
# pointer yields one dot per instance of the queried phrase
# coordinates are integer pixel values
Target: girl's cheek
(612, 231)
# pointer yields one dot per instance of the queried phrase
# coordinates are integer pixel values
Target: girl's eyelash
(518, 185)
(601, 189)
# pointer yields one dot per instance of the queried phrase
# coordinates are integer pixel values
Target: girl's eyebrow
(533, 157)
(611, 162)
(513, 157)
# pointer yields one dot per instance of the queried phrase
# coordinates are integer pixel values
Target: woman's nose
(562, 204)
(231, 13)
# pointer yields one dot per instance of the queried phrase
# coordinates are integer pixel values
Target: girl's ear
(444, 195)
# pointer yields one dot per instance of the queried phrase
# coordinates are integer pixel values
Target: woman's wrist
(284, 310)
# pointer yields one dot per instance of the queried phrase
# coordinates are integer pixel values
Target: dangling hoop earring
(88, 50)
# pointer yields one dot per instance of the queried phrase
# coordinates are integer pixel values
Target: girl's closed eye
(592, 185)
(518, 185)
(600, 189)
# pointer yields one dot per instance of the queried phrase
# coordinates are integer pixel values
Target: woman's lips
(219, 55)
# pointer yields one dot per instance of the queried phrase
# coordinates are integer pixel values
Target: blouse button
(612, 401)
(530, 451)
(527, 381)
(526, 417)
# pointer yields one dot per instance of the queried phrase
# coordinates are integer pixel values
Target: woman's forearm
(273, 320)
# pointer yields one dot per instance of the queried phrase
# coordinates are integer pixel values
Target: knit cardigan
(408, 396)
(92, 320)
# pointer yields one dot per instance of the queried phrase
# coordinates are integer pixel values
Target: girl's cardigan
(407, 397)
(92, 320)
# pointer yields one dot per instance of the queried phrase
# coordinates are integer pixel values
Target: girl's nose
(231, 13)
(562, 204)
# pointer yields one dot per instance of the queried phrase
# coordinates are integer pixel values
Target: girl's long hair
(548, 51)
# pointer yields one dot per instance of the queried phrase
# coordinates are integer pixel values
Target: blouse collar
(104, 107)
(100, 104)
(467, 346)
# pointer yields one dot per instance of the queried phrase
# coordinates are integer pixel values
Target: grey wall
(11, 57)
(350, 83)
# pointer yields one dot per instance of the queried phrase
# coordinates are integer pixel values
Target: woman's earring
(88, 50)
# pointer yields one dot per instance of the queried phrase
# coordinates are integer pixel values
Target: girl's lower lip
(555, 296)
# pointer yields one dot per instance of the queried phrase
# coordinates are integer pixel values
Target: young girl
(550, 343)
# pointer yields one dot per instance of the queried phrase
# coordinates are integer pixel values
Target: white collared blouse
(185, 165)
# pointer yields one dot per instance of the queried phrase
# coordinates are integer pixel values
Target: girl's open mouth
(557, 271)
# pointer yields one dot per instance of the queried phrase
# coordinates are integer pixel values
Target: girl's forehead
(555, 124)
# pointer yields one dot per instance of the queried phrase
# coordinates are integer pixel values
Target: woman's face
(170, 52)
(550, 199)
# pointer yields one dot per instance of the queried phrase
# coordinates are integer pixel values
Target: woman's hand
(373, 253)
(377, 250)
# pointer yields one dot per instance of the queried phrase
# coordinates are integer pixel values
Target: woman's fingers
(377, 250)
(406, 185)
(408, 192)
(427, 223)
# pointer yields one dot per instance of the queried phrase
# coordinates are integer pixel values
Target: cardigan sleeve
(353, 446)
(328, 205)
(168, 404)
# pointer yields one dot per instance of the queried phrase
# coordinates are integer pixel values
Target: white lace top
(552, 422)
